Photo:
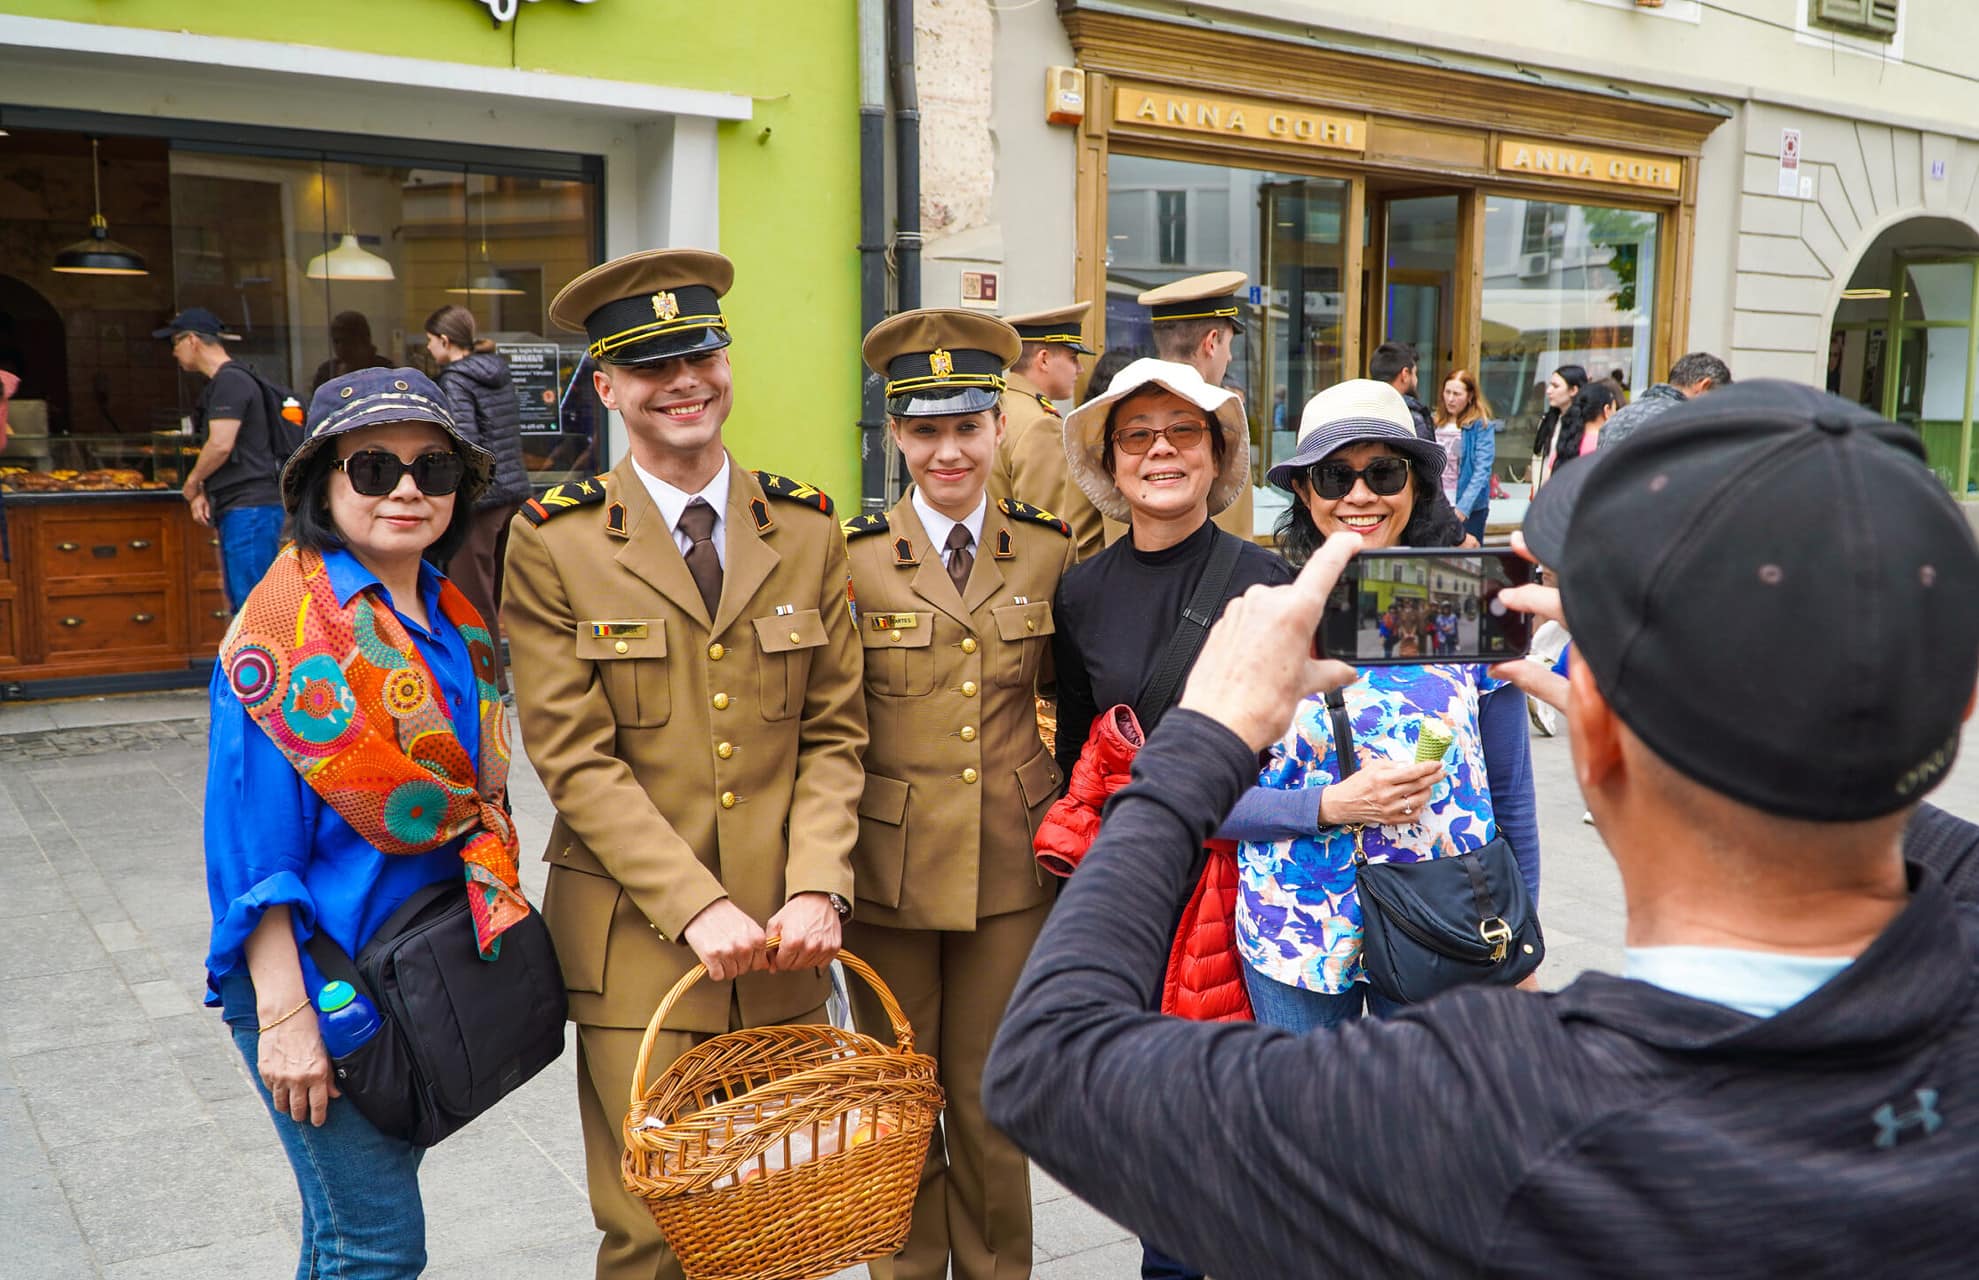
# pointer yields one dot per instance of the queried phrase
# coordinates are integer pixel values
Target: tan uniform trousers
(633, 1248)
(975, 1200)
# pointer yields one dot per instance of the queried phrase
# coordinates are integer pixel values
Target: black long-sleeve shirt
(1613, 1128)
(1116, 614)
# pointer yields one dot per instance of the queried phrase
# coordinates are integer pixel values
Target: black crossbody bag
(1430, 926)
(459, 1033)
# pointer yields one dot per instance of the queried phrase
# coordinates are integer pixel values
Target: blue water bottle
(345, 1018)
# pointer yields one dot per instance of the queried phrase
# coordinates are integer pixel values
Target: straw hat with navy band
(374, 398)
(1085, 434)
(1358, 411)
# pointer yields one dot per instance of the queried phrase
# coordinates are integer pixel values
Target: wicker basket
(728, 1162)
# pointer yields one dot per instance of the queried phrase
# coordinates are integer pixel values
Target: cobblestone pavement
(134, 1147)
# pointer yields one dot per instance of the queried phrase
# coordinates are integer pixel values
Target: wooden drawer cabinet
(210, 617)
(115, 620)
(111, 547)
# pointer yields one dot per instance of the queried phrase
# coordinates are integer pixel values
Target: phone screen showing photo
(1418, 606)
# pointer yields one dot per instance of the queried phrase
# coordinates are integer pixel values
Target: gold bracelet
(284, 1018)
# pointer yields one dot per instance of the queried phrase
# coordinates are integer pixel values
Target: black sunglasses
(375, 473)
(1332, 481)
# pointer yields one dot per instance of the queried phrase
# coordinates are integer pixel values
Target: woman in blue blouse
(1361, 467)
(381, 484)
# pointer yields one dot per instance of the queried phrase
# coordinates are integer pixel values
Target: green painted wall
(789, 175)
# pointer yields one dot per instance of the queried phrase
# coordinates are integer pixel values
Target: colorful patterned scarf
(347, 698)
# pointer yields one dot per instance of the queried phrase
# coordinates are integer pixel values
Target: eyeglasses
(375, 473)
(1180, 435)
(1335, 480)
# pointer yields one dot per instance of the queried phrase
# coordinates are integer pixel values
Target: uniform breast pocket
(900, 661)
(786, 641)
(1024, 631)
(632, 667)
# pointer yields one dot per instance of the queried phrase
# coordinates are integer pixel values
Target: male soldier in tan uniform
(1030, 463)
(954, 594)
(688, 681)
(1196, 320)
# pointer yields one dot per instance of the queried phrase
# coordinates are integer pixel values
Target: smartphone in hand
(1411, 606)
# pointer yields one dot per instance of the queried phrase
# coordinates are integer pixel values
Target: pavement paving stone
(67, 1010)
(111, 1097)
(57, 942)
(181, 1188)
(266, 1253)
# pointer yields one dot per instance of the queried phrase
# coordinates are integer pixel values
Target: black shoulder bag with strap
(1198, 616)
(458, 1033)
(1429, 926)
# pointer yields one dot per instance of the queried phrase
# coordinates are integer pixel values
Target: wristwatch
(841, 906)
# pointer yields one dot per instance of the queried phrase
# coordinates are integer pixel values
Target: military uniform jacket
(689, 758)
(1030, 464)
(957, 778)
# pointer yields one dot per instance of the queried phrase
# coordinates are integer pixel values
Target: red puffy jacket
(1205, 978)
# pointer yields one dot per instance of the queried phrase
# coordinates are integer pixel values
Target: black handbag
(1430, 926)
(459, 1033)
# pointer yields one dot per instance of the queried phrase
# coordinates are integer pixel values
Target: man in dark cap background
(688, 683)
(1775, 609)
(234, 484)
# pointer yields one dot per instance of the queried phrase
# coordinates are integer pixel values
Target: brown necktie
(698, 523)
(960, 558)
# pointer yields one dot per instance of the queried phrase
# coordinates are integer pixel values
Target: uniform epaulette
(860, 526)
(793, 490)
(1049, 407)
(564, 497)
(1036, 515)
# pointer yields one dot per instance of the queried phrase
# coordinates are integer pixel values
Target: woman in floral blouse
(1360, 466)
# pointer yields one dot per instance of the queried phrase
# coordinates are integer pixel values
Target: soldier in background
(1197, 321)
(954, 590)
(1030, 463)
(688, 682)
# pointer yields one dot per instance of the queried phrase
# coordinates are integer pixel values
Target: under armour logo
(1890, 1125)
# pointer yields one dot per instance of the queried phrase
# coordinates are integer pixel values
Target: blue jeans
(1474, 523)
(361, 1214)
(249, 539)
(1278, 1004)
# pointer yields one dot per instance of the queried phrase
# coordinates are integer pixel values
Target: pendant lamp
(98, 254)
(349, 260)
(489, 282)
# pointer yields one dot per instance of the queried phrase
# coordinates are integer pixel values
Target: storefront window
(319, 262)
(1563, 284)
(1168, 219)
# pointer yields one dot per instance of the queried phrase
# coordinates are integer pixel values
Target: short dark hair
(1390, 359)
(1218, 446)
(1177, 340)
(311, 527)
(1110, 362)
(1696, 367)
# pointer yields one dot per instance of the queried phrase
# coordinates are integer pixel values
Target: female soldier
(952, 595)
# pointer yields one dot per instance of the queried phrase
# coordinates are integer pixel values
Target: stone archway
(34, 346)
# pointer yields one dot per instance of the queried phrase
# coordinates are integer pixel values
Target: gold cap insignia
(665, 305)
(940, 363)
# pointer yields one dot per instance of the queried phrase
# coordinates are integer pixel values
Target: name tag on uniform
(617, 630)
(893, 621)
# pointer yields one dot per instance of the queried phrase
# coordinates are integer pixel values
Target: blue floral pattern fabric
(1298, 916)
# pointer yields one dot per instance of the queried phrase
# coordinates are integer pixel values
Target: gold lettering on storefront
(1551, 160)
(1238, 117)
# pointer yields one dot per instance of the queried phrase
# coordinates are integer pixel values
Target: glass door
(1415, 296)
(1934, 360)
(1301, 333)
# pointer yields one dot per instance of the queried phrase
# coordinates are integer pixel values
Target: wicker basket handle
(903, 1031)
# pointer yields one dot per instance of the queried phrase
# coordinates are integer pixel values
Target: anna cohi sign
(1551, 160)
(1238, 118)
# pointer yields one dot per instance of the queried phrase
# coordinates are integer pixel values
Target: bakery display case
(41, 464)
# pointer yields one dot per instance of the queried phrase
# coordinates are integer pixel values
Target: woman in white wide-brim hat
(1164, 451)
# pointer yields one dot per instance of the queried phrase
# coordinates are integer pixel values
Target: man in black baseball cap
(1775, 609)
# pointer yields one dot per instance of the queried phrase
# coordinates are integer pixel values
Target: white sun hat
(1085, 433)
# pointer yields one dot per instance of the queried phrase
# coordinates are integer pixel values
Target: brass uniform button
(728, 799)
(721, 702)
(725, 750)
(716, 652)
(895, 635)
(968, 775)
(968, 688)
(794, 637)
(968, 733)
(622, 647)
(1030, 624)
(968, 644)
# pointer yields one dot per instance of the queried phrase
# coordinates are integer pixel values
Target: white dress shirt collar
(672, 501)
(938, 524)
